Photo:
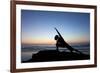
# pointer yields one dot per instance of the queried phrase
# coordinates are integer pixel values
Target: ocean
(28, 50)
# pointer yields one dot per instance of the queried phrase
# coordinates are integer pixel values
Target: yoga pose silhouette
(60, 42)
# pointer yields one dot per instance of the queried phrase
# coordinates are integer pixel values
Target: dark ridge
(54, 55)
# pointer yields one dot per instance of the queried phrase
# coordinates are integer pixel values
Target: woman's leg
(57, 47)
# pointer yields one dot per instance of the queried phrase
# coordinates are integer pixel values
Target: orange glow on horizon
(48, 41)
(38, 41)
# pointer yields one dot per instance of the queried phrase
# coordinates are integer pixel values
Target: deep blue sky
(38, 26)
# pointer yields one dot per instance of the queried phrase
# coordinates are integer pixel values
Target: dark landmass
(54, 55)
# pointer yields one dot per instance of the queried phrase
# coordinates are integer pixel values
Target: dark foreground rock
(53, 55)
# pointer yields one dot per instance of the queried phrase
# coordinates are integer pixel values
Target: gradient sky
(38, 26)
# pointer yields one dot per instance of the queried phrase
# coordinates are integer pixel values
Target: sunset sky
(38, 26)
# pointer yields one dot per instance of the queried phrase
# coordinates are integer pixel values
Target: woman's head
(56, 37)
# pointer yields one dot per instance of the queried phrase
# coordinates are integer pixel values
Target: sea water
(28, 50)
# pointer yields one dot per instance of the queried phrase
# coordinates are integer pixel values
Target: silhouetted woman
(60, 42)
